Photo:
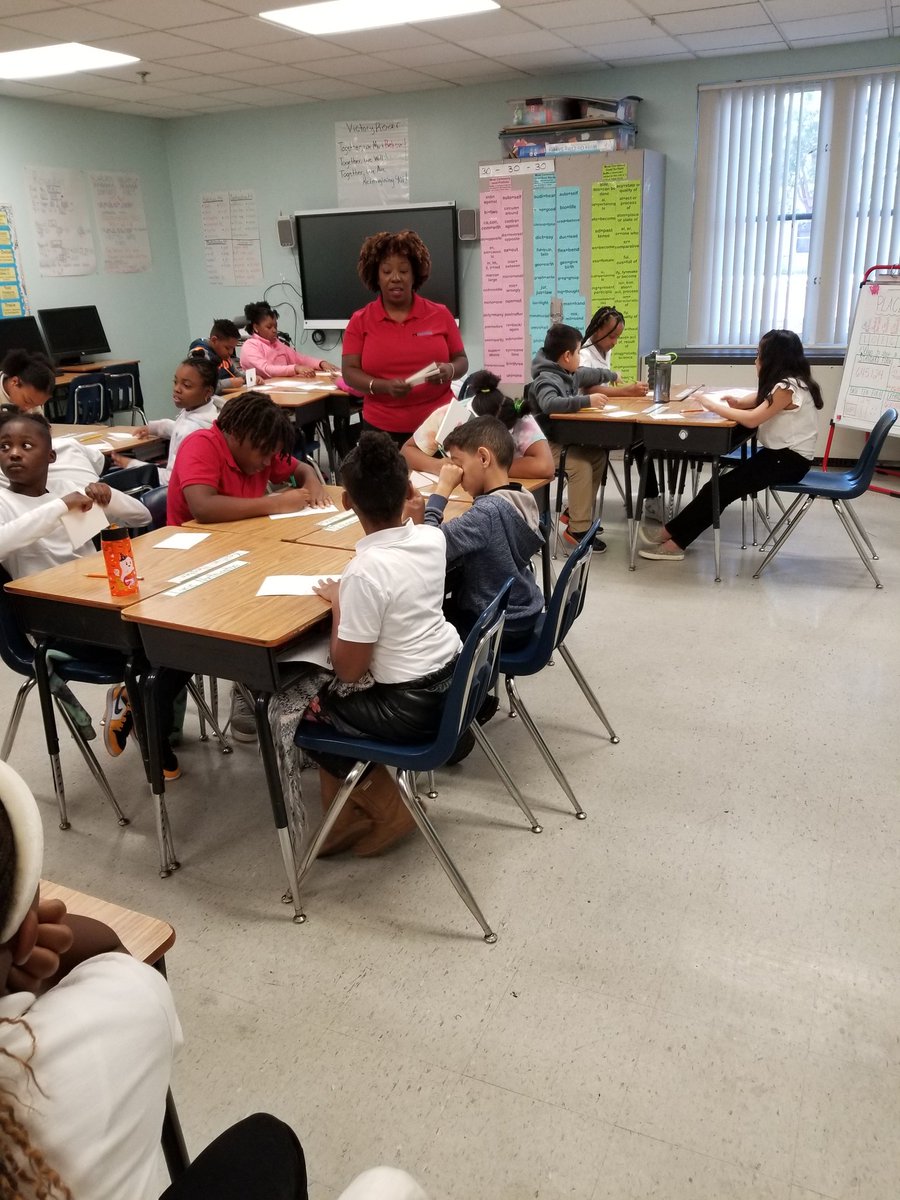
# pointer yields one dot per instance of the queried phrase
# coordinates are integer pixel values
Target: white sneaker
(654, 511)
(243, 719)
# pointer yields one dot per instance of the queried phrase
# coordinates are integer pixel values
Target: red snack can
(118, 558)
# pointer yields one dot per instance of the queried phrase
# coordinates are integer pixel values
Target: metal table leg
(276, 798)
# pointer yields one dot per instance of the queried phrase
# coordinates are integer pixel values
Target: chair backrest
(475, 672)
(136, 479)
(864, 468)
(121, 394)
(87, 399)
(15, 649)
(568, 597)
(155, 502)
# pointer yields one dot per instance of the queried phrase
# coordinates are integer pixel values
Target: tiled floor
(694, 992)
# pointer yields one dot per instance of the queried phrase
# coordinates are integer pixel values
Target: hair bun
(483, 381)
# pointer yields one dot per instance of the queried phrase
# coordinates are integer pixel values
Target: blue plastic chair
(473, 676)
(551, 631)
(840, 487)
(18, 654)
(155, 501)
(86, 404)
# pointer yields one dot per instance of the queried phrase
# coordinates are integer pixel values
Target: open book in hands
(431, 372)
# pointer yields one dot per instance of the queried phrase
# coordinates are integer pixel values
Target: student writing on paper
(392, 648)
(604, 329)
(561, 385)
(398, 334)
(219, 349)
(268, 354)
(783, 411)
(32, 535)
(481, 394)
(193, 389)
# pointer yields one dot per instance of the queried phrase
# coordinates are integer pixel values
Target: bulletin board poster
(616, 254)
(13, 298)
(62, 221)
(231, 247)
(372, 162)
(503, 280)
(121, 222)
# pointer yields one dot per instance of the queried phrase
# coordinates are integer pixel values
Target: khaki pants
(584, 468)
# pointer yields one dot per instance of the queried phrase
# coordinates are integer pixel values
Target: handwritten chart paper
(231, 238)
(870, 382)
(503, 282)
(372, 162)
(62, 222)
(568, 256)
(121, 222)
(615, 259)
(543, 225)
(13, 301)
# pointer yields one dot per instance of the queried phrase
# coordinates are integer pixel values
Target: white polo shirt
(392, 594)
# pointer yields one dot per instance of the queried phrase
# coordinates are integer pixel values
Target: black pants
(766, 468)
(260, 1158)
(651, 490)
(399, 439)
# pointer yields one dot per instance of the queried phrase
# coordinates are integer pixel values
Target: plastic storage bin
(551, 110)
(541, 143)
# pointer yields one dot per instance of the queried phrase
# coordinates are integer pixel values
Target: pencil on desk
(103, 575)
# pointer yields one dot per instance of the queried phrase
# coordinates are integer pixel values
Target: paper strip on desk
(305, 512)
(181, 541)
(291, 585)
(82, 526)
(119, 435)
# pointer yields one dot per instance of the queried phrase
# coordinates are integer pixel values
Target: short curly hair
(377, 248)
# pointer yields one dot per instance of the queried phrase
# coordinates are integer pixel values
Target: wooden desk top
(98, 436)
(348, 535)
(287, 396)
(70, 583)
(145, 938)
(634, 406)
(67, 374)
(229, 608)
(284, 529)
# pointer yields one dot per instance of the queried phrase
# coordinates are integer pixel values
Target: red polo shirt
(204, 457)
(397, 349)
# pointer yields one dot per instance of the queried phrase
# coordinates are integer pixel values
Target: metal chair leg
(432, 790)
(508, 782)
(854, 538)
(206, 711)
(91, 759)
(789, 527)
(588, 693)
(201, 715)
(860, 528)
(328, 820)
(787, 515)
(516, 700)
(15, 718)
(437, 849)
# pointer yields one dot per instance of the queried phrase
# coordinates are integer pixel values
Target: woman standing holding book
(397, 336)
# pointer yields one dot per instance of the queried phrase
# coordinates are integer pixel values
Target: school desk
(146, 939)
(282, 529)
(65, 375)
(98, 435)
(224, 629)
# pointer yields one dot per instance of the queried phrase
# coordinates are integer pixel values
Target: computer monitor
(328, 242)
(72, 333)
(20, 333)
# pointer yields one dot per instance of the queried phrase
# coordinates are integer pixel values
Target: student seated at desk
(88, 1036)
(32, 536)
(219, 349)
(193, 389)
(783, 411)
(481, 393)
(497, 537)
(561, 385)
(389, 636)
(267, 353)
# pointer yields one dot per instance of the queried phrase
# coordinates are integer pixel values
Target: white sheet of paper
(121, 435)
(291, 585)
(312, 650)
(422, 479)
(422, 376)
(458, 412)
(82, 526)
(180, 541)
(304, 512)
(250, 377)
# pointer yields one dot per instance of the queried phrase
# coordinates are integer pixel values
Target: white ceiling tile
(651, 47)
(162, 14)
(483, 25)
(476, 68)
(424, 56)
(18, 39)
(733, 39)
(270, 75)
(149, 45)
(248, 7)
(395, 80)
(571, 57)
(612, 31)
(26, 91)
(156, 72)
(214, 64)
(202, 84)
(377, 41)
(336, 89)
(73, 25)
(831, 40)
(565, 13)
(797, 10)
(736, 16)
(760, 48)
(15, 8)
(298, 49)
(351, 65)
(655, 8)
(235, 34)
(259, 96)
(517, 43)
(870, 21)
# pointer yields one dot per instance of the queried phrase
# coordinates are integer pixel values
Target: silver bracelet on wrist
(372, 386)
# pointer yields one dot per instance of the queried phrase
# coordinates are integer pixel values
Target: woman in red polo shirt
(398, 334)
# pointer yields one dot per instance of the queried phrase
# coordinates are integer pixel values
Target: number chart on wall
(567, 236)
(870, 382)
